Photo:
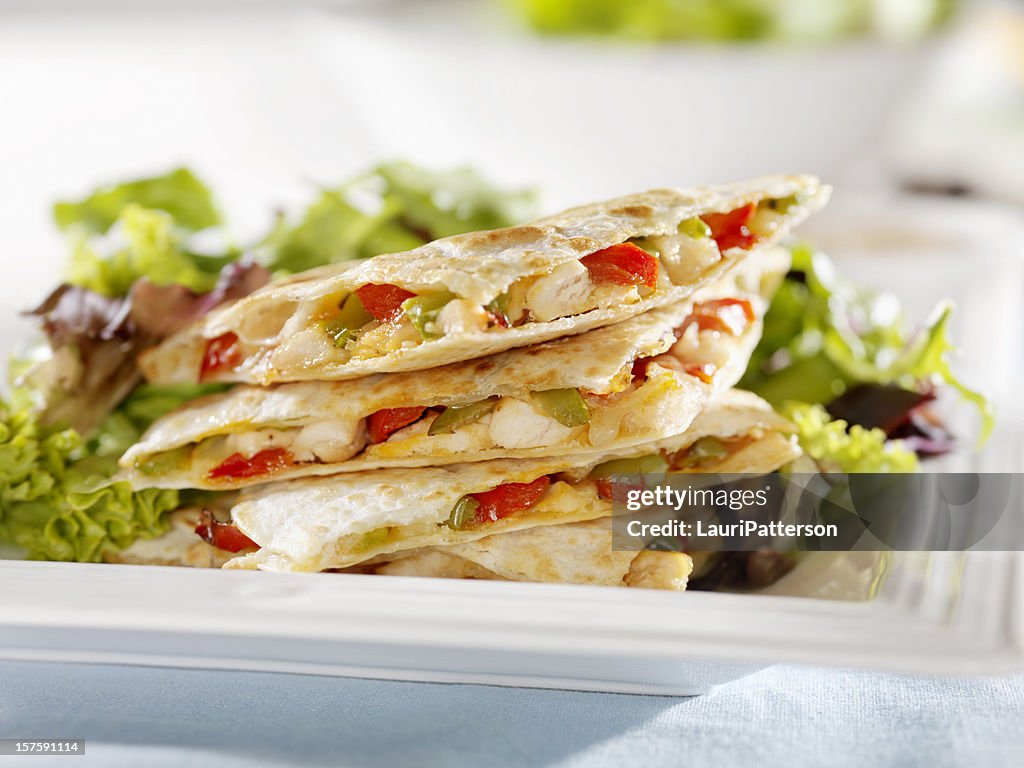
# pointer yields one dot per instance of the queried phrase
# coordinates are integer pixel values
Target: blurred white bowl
(590, 118)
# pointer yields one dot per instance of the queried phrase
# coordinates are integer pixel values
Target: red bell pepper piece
(624, 264)
(730, 230)
(509, 498)
(224, 536)
(384, 423)
(384, 302)
(731, 316)
(222, 354)
(265, 462)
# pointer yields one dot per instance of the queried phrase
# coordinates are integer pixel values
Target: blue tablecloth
(785, 715)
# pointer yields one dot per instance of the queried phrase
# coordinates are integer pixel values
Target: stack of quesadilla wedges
(460, 409)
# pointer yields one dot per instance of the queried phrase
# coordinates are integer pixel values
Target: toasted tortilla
(573, 553)
(182, 449)
(279, 331)
(438, 564)
(314, 524)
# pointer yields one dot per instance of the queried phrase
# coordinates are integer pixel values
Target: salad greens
(731, 20)
(394, 207)
(824, 335)
(142, 243)
(839, 447)
(140, 229)
(86, 365)
(179, 194)
(57, 499)
(132, 278)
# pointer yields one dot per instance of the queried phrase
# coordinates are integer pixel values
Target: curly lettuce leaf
(823, 334)
(179, 194)
(394, 207)
(57, 500)
(839, 447)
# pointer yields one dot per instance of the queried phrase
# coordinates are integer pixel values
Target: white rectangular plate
(934, 613)
(943, 612)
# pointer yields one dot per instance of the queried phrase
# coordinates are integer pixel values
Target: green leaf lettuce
(823, 334)
(838, 447)
(394, 207)
(179, 194)
(142, 243)
(58, 498)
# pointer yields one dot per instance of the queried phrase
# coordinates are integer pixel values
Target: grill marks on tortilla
(633, 211)
(511, 237)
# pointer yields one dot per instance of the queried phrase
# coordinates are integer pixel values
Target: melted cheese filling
(567, 291)
(514, 424)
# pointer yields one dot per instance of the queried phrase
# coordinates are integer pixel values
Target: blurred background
(914, 109)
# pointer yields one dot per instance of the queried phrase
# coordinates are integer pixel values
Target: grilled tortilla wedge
(473, 295)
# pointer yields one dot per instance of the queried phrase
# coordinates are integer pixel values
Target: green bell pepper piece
(652, 464)
(783, 204)
(455, 416)
(695, 228)
(463, 513)
(566, 406)
(166, 461)
(351, 317)
(707, 450)
(423, 310)
(374, 538)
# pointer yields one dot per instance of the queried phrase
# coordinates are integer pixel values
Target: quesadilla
(473, 295)
(614, 387)
(316, 524)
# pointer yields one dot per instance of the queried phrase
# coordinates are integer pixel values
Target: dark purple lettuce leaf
(159, 311)
(70, 313)
(902, 414)
(95, 339)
